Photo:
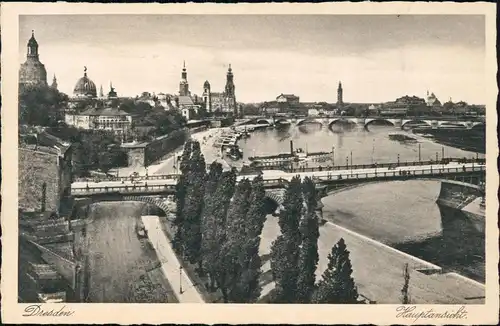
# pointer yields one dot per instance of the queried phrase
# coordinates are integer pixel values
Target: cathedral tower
(207, 98)
(32, 72)
(184, 85)
(229, 92)
(340, 99)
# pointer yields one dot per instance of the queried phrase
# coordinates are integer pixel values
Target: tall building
(184, 85)
(221, 102)
(32, 72)
(207, 98)
(340, 94)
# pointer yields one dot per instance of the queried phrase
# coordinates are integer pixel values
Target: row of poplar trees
(294, 254)
(218, 225)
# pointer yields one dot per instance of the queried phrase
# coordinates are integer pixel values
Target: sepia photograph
(243, 158)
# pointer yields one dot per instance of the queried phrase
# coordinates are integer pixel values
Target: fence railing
(378, 165)
(145, 177)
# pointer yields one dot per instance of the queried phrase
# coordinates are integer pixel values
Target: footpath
(184, 289)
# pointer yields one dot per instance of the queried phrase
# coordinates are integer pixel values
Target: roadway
(276, 174)
(184, 289)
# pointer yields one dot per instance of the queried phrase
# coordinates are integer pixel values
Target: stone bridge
(434, 123)
(327, 181)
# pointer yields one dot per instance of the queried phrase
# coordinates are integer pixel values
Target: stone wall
(159, 147)
(37, 168)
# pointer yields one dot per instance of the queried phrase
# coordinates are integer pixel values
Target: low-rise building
(107, 118)
(287, 98)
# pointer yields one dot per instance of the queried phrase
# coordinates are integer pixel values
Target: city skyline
(377, 58)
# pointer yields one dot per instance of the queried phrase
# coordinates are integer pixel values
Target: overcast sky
(377, 58)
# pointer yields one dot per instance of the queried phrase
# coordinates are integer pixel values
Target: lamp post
(333, 155)
(437, 159)
(351, 163)
(419, 154)
(180, 280)
(442, 153)
(398, 159)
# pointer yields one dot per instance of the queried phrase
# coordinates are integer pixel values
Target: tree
(180, 198)
(40, 106)
(256, 215)
(214, 224)
(405, 296)
(285, 249)
(193, 205)
(337, 285)
(308, 257)
(234, 247)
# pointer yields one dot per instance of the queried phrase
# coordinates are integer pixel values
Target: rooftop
(104, 112)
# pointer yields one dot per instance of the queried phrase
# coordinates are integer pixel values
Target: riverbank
(378, 268)
(166, 165)
(122, 267)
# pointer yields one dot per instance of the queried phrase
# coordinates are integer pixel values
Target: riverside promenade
(184, 289)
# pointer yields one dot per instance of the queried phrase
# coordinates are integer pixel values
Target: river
(396, 213)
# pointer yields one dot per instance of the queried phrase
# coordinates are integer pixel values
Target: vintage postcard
(249, 163)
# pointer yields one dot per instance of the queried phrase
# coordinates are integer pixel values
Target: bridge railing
(145, 177)
(432, 171)
(378, 165)
(122, 189)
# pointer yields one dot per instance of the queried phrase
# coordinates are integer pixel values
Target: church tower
(340, 99)
(54, 82)
(184, 85)
(207, 97)
(32, 72)
(229, 92)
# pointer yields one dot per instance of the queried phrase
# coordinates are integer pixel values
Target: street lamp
(419, 154)
(398, 159)
(333, 155)
(351, 163)
(180, 280)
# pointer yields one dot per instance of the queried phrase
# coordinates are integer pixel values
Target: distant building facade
(32, 72)
(108, 119)
(221, 101)
(287, 98)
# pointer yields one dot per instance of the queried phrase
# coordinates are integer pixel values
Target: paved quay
(170, 265)
(378, 269)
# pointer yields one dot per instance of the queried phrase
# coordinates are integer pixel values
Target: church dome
(85, 87)
(206, 84)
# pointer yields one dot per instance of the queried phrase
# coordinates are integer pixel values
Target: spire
(84, 71)
(54, 82)
(229, 69)
(184, 65)
(33, 33)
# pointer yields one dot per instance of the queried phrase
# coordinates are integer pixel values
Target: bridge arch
(453, 123)
(263, 121)
(370, 121)
(341, 121)
(404, 122)
(308, 120)
(478, 125)
(281, 121)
